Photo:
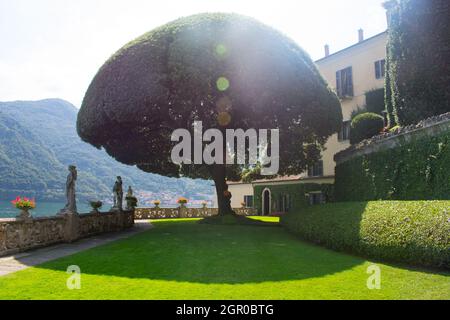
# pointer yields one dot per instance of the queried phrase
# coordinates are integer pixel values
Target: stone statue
(71, 206)
(130, 192)
(118, 194)
(131, 199)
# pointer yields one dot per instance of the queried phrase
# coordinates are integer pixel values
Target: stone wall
(429, 127)
(173, 213)
(17, 235)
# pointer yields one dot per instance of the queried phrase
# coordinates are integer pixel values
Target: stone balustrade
(17, 235)
(173, 213)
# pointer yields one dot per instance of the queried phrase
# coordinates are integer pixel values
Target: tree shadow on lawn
(198, 253)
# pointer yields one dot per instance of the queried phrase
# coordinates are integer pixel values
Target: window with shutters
(344, 82)
(380, 69)
(316, 198)
(248, 200)
(316, 170)
(344, 134)
(284, 203)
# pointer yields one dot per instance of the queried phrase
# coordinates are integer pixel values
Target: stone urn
(182, 202)
(156, 204)
(95, 211)
(131, 202)
(24, 214)
(96, 205)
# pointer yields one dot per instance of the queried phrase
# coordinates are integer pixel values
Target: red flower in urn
(24, 204)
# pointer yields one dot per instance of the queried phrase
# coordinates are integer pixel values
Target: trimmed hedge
(417, 170)
(413, 232)
(198, 68)
(365, 126)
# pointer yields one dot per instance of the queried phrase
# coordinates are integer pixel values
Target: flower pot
(24, 214)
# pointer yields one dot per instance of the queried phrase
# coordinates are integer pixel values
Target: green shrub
(365, 126)
(414, 170)
(358, 111)
(375, 101)
(413, 232)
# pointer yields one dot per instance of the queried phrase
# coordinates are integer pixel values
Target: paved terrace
(24, 260)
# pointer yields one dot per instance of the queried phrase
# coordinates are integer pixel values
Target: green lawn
(187, 260)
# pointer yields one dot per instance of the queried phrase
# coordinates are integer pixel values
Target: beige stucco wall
(239, 191)
(361, 58)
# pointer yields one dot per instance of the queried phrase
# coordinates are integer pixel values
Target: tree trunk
(224, 202)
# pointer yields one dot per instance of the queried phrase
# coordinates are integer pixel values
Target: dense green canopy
(226, 70)
(418, 60)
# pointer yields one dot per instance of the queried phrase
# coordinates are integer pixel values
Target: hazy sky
(53, 48)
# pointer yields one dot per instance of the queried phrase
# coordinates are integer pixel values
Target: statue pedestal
(183, 211)
(115, 209)
(65, 212)
(72, 226)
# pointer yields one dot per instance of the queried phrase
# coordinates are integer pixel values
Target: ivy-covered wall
(297, 194)
(415, 170)
(418, 55)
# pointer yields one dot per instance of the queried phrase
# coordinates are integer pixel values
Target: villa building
(351, 72)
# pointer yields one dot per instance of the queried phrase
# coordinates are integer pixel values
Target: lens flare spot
(224, 119)
(223, 84)
(224, 104)
(221, 50)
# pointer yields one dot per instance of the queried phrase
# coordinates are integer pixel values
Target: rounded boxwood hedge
(365, 126)
(412, 232)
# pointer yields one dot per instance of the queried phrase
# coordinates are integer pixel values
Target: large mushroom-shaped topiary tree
(226, 70)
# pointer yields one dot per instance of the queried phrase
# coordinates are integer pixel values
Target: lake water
(43, 209)
(49, 209)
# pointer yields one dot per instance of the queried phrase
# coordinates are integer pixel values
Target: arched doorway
(266, 202)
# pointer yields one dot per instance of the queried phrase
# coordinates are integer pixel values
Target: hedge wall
(413, 232)
(296, 193)
(418, 170)
(375, 101)
(418, 55)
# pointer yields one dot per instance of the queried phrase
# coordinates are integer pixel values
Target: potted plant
(182, 202)
(25, 205)
(157, 203)
(95, 205)
(204, 204)
(132, 202)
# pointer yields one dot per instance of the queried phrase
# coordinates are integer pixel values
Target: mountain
(38, 140)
